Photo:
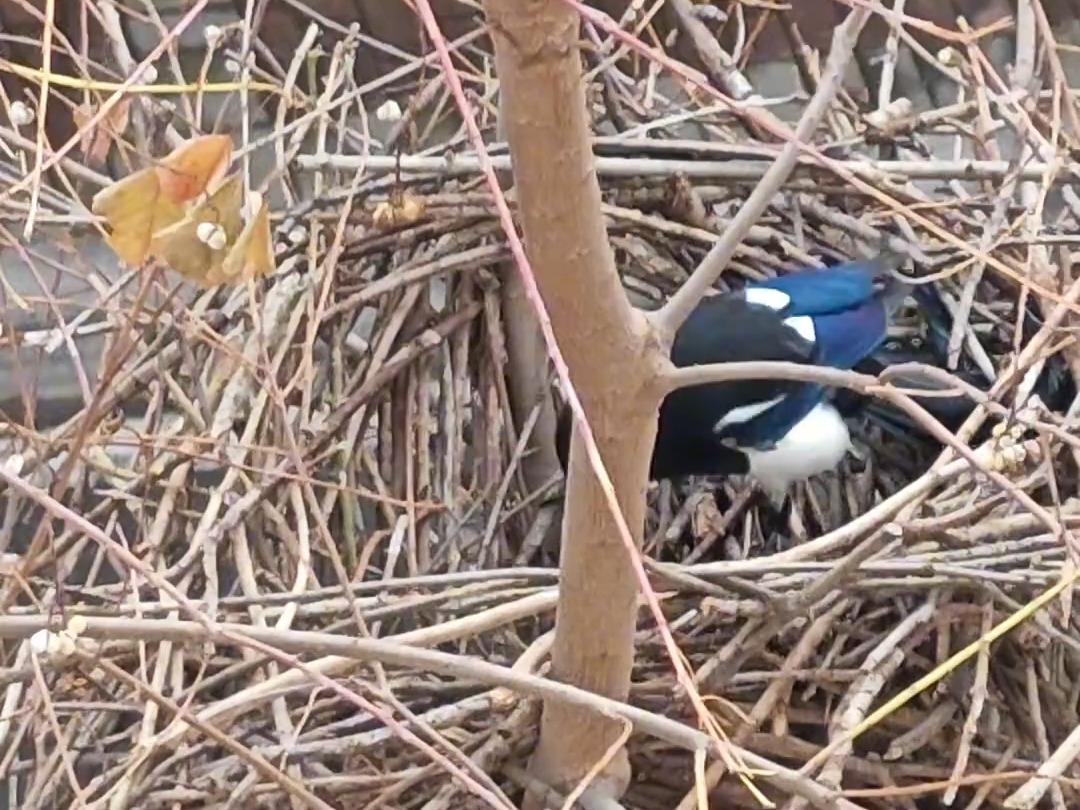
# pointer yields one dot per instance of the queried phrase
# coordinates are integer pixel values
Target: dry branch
(349, 468)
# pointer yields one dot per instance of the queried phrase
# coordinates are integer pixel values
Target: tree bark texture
(527, 357)
(614, 360)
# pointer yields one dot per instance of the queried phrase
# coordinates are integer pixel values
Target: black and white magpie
(777, 431)
(1055, 385)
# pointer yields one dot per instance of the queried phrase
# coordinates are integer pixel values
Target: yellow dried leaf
(194, 167)
(96, 140)
(135, 209)
(180, 245)
(252, 255)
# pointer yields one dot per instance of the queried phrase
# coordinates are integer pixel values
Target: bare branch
(736, 169)
(678, 309)
(467, 668)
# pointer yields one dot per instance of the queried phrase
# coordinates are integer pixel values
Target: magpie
(777, 431)
(1054, 386)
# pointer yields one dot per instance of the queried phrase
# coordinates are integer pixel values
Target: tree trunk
(614, 360)
(527, 383)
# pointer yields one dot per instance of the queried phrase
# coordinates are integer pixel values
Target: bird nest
(277, 549)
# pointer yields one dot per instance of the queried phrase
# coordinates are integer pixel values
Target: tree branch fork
(624, 375)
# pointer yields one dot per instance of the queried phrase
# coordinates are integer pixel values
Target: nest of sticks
(263, 481)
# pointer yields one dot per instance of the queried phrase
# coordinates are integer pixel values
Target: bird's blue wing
(845, 338)
(831, 289)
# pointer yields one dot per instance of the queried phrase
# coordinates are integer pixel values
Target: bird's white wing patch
(744, 413)
(804, 325)
(766, 297)
(777, 300)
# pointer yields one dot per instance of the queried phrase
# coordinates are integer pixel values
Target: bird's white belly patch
(814, 445)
